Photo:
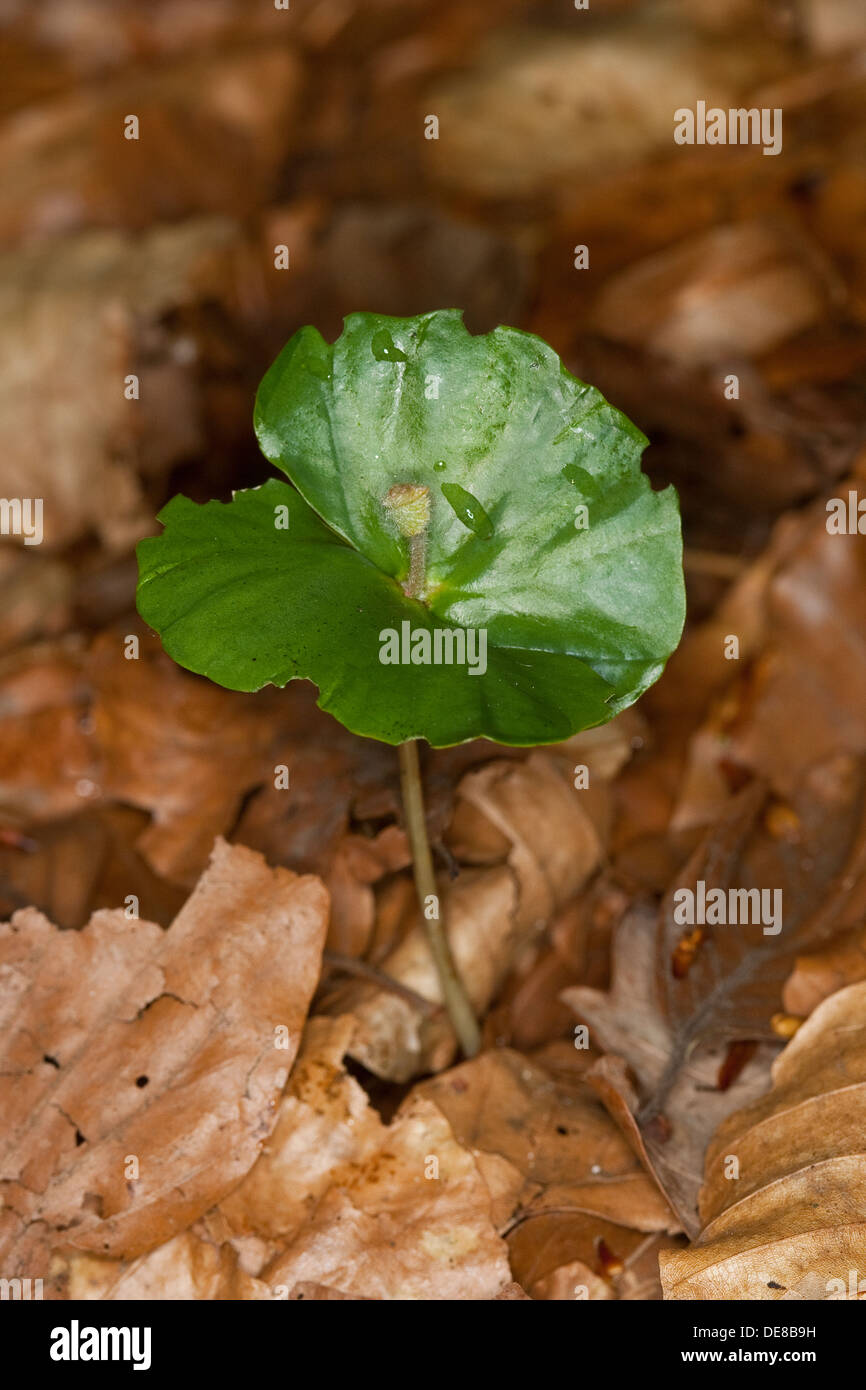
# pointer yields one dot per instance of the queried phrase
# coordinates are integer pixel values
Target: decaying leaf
(540, 112)
(74, 314)
(673, 1016)
(186, 1267)
(372, 1210)
(544, 1143)
(740, 288)
(778, 791)
(142, 1068)
(784, 1195)
(819, 974)
(67, 164)
(555, 1162)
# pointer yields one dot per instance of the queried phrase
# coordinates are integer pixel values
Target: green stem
(454, 995)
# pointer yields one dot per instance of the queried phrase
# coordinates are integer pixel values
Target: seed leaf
(578, 619)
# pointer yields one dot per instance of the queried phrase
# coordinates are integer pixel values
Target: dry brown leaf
(35, 597)
(792, 1215)
(736, 289)
(821, 973)
(679, 996)
(540, 111)
(325, 1122)
(368, 1209)
(544, 1143)
(180, 747)
(212, 132)
(310, 1292)
(786, 715)
(187, 1267)
(123, 1041)
(565, 1183)
(512, 1293)
(70, 867)
(47, 759)
(389, 1231)
(74, 315)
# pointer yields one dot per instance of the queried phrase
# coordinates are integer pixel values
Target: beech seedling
(466, 548)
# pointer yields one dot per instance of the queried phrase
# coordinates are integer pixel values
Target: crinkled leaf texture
(579, 621)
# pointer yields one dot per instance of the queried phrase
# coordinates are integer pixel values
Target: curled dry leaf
(123, 1040)
(792, 738)
(371, 1210)
(671, 1015)
(821, 973)
(785, 1193)
(490, 914)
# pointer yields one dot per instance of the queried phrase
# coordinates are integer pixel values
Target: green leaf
(577, 622)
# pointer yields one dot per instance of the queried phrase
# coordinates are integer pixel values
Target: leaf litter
(171, 905)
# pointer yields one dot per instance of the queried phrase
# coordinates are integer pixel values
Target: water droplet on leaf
(440, 465)
(385, 349)
(468, 509)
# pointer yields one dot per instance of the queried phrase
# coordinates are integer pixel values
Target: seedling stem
(454, 995)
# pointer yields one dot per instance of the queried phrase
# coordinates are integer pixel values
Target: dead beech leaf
(73, 314)
(324, 1123)
(187, 1267)
(65, 165)
(673, 1026)
(310, 1292)
(741, 288)
(70, 867)
(552, 1158)
(804, 594)
(368, 1209)
(35, 597)
(47, 760)
(490, 913)
(585, 103)
(389, 1231)
(784, 1194)
(821, 973)
(175, 745)
(545, 1143)
(124, 1040)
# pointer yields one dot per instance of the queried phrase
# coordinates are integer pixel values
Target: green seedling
(466, 548)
